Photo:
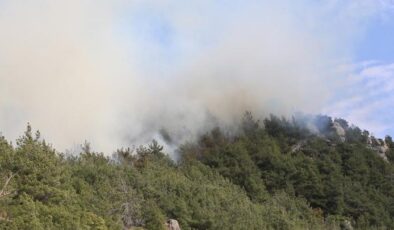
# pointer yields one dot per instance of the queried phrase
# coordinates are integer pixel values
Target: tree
(4, 190)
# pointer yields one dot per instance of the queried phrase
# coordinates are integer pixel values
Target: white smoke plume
(115, 73)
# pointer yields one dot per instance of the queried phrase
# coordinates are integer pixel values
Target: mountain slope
(306, 173)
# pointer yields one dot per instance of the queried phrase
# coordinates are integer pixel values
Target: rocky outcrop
(172, 225)
(379, 146)
(347, 225)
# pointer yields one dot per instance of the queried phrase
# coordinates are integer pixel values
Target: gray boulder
(172, 225)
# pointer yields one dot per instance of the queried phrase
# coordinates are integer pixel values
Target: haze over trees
(273, 174)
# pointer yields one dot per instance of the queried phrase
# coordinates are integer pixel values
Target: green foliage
(279, 175)
(344, 179)
(154, 218)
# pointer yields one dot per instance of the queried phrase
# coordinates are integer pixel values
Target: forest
(314, 172)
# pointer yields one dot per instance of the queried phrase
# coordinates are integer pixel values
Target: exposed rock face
(347, 225)
(172, 225)
(379, 146)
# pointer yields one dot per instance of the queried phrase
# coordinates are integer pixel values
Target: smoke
(121, 72)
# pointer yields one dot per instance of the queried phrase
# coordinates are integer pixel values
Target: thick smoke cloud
(115, 73)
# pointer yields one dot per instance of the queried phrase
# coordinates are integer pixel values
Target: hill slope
(314, 173)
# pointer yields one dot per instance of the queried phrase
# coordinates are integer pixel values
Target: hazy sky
(368, 98)
(115, 72)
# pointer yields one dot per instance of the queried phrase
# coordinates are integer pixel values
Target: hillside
(309, 172)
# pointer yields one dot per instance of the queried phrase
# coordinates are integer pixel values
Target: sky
(368, 98)
(117, 73)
